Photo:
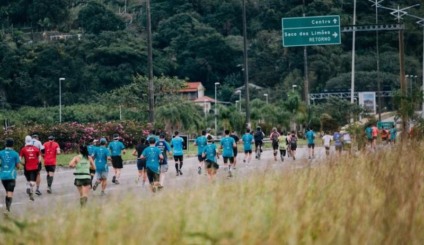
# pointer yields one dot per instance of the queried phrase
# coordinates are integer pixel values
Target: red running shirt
(31, 155)
(50, 152)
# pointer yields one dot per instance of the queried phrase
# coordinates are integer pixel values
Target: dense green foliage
(99, 46)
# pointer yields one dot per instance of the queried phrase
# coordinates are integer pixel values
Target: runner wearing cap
(30, 156)
(9, 160)
(116, 148)
(51, 150)
(101, 156)
(37, 143)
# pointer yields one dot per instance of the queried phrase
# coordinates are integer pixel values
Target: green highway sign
(311, 31)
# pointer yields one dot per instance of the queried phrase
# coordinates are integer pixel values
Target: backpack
(259, 136)
(274, 138)
(293, 140)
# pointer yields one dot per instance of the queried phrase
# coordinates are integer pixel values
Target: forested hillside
(99, 46)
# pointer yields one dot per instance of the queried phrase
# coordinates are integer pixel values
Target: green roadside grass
(371, 198)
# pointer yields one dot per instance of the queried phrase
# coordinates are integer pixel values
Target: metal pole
(240, 100)
(246, 70)
(378, 62)
(422, 112)
(150, 63)
(60, 99)
(216, 112)
(352, 84)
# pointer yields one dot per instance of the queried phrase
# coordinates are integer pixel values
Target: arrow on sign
(335, 35)
(335, 21)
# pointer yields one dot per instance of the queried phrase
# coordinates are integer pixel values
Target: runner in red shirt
(30, 156)
(51, 150)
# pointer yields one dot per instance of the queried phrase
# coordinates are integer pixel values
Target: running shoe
(230, 174)
(113, 179)
(199, 170)
(95, 185)
(31, 196)
(116, 182)
(178, 173)
(49, 190)
(181, 173)
(38, 192)
(28, 191)
(244, 160)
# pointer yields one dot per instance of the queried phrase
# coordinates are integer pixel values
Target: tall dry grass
(374, 198)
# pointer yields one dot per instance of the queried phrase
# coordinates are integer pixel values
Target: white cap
(28, 140)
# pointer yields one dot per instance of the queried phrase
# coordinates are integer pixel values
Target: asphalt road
(65, 194)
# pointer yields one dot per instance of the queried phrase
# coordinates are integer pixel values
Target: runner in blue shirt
(210, 155)
(101, 155)
(116, 147)
(177, 143)
(165, 149)
(247, 139)
(393, 132)
(200, 142)
(227, 145)
(153, 155)
(338, 143)
(152, 134)
(310, 136)
(9, 160)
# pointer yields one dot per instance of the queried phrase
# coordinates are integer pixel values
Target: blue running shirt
(116, 147)
(227, 145)
(210, 152)
(100, 158)
(201, 142)
(247, 141)
(177, 143)
(9, 159)
(152, 154)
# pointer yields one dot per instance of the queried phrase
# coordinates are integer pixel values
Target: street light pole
(239, 92)
(266, 97)
(293, 86)
(216, 111)
(60, 99)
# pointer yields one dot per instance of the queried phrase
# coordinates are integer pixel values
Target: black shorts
(178, 158)
(293, 147)
(235, 150)
(50, 168)
(311, 145)
(200, 158)
(370, 140)
(82, 182)
(40, 166)
(117, 162)
(31, 175)
(9, 185)
(283, 152)
(211, 164)
(228, 158)
(141, 164)
(152, 176)
(258, 142)
(275, 146)
(248, 151)
(92, 171)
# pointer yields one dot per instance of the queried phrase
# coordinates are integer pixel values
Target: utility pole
(150, 63)
(245, 66)
(305, 68)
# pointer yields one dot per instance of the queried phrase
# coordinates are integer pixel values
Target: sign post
(311, 31)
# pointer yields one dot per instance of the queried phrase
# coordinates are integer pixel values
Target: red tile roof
(191, 87)
(204, 99)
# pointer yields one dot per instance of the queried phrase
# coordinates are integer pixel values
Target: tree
(95, 18)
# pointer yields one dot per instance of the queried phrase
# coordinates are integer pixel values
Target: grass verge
(369, 199)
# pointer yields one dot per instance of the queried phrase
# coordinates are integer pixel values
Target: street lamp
(237, 104)
(293, 87)
(266, 97)
(216, 111)
(60, 98)
(239, 92)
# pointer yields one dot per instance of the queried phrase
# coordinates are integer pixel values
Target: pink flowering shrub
(70, 135)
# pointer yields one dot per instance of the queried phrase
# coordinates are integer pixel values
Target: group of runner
(32, 155)
(388, 136)
(152, 154)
